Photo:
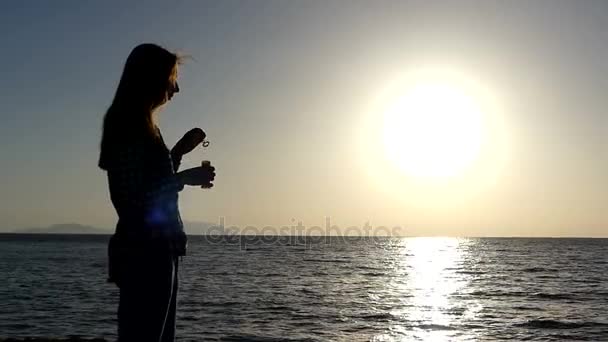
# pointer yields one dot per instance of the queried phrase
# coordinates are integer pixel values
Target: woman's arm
(185, 145)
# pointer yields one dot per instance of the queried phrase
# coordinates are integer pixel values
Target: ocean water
(323, 289)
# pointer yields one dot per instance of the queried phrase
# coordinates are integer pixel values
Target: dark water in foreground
(388, 289)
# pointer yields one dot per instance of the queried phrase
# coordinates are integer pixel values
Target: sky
(287, 93)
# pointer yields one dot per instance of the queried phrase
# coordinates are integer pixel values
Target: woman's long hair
(142, 89)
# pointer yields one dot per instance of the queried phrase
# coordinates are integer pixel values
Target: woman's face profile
(172, 87)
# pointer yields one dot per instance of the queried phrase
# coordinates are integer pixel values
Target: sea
(271, 288)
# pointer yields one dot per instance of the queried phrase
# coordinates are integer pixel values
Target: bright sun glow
(433, 135)
(433, 130)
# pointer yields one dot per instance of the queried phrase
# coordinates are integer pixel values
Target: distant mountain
(65, 228)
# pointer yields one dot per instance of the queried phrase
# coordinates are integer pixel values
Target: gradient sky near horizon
(284, 89)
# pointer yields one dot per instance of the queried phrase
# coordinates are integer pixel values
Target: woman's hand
(202, 176)
(188, 142)
(206, 165)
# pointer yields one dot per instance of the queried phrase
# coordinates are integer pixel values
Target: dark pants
(148, 293)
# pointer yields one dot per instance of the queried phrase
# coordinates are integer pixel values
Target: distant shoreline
(109, 233)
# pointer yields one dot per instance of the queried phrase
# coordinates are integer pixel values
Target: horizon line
(337, 236)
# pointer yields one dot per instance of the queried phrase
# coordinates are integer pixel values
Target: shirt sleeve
(139, 182)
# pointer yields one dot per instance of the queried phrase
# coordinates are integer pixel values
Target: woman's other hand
(202, 176)
(206, 165)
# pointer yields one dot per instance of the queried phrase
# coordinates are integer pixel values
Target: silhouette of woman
(144, 185)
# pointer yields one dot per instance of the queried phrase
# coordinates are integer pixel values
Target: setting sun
(433, 134)
(433, 130)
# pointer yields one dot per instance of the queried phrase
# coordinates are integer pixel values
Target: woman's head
(149, 80)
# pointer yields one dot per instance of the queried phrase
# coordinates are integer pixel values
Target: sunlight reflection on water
(428, 277)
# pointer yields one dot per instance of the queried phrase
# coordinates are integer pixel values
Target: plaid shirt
(144, 190)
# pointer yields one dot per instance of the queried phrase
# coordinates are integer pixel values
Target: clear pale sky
(282, 89)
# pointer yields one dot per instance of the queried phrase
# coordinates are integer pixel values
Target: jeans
(148, 298)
